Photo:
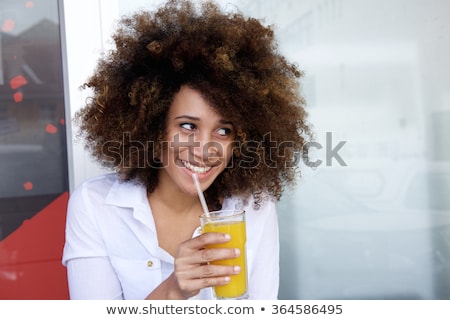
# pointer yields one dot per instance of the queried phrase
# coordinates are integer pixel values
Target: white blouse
(112, 252)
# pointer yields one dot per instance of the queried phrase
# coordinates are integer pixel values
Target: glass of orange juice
(231, 222)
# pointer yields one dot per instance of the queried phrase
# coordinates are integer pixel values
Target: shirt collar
(130, 194)
(126, 194)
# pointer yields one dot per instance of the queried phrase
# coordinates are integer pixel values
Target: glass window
(33, 165)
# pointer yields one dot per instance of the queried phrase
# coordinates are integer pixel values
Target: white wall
(87, 26)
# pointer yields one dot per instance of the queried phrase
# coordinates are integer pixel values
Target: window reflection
(33, 161)
(33, 167)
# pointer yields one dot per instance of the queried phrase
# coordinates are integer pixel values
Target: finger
(197, 265)
(208, 282)
(204, 256)
(212, 271)
(192, 287)
(204, 239)
(190, 281)
(208, 271)
(213, 254)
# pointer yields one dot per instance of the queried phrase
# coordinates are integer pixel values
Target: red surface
(30, 257)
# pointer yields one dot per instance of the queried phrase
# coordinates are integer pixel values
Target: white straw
(200, 194)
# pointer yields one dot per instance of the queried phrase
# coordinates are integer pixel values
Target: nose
(205, 150)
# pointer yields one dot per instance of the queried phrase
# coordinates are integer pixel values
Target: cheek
(228, 152)
(166, 150)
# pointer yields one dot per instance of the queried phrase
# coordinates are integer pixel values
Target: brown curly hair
(232, 61)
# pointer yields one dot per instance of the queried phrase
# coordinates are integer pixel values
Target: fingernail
(226, 279)
(237, 252)
(237, 269)
(227, 236)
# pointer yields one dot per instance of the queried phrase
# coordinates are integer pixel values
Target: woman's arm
(264, 276)
(93, 278)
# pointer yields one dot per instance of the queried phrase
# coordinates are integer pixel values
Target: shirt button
(150, 263)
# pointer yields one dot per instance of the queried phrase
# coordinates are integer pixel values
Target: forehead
(191, 102)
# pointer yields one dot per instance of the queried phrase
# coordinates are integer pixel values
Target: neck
(169, 197)
(176, 214)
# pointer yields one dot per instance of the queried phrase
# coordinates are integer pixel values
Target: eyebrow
(198, 119)
(187, 117)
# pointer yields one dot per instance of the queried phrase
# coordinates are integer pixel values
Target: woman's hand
(192, 271)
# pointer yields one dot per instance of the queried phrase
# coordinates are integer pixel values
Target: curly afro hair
(232, 60)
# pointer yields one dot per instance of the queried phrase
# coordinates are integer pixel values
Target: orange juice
(237, 287)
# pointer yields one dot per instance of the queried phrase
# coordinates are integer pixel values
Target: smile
(195, 168)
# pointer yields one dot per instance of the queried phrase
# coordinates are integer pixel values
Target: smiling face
(198, 140)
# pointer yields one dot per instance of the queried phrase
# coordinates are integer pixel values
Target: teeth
(195, 168)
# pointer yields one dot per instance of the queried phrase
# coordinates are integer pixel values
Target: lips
(195, 168)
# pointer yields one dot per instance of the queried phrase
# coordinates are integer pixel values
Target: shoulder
(266, 207)
(264, 214)
(102, 182)
(108, 191)
(94, 188)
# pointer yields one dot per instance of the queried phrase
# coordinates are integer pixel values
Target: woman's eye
(188, 126)
(224, 131)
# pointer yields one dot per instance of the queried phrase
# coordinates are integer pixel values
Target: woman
(185, 91)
